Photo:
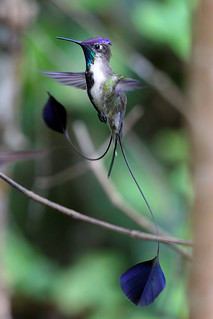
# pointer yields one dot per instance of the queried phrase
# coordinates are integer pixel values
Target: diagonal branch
(76, 215)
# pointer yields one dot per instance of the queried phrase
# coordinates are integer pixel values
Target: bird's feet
(102, 117)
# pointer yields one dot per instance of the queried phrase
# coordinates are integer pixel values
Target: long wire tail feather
(84, 156)
(113, 155)
(139, 188)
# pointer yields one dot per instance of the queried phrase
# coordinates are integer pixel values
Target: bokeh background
(53, 266)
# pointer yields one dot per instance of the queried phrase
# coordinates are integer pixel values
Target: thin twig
(114, 196)
(158, 80)
(62, 176)
(76, 215)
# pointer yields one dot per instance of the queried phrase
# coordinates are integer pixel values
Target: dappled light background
(57, 267)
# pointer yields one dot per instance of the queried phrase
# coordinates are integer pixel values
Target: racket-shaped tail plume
(55, 117)
(143, 282)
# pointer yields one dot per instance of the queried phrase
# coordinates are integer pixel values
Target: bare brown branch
(76, 215)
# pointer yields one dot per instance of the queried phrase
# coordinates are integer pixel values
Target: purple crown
(96, 40)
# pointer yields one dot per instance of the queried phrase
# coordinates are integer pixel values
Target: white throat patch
(99, 79)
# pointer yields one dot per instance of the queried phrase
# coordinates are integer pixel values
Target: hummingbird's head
(93, 48)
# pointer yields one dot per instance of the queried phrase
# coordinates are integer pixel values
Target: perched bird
(105, 88)
(143, 282)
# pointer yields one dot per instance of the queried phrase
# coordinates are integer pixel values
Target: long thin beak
(71, 40)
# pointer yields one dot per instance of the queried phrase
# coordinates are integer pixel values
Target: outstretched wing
(77, 79)
(128, 84)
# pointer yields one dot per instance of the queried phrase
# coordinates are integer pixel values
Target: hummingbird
(105, 88)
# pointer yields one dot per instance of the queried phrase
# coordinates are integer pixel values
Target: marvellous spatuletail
(107, 93)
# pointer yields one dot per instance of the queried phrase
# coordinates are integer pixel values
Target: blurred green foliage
(72, 268)
(166, 22)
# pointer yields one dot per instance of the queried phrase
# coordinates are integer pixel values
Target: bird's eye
(98, 47)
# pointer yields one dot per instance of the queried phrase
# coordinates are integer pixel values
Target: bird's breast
(99, 78)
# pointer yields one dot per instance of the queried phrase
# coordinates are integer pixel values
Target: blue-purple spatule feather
(143, 282)
(55, 115)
